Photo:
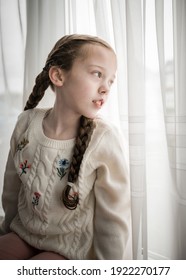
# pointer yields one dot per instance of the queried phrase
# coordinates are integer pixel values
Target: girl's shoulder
(109, 134)
(107, 141)
(28, 115)
(24, 120)
(106, 135)
(106, 128)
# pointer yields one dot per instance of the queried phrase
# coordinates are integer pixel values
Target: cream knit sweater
(36, 173)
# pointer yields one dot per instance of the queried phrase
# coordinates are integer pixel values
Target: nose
(104, 89)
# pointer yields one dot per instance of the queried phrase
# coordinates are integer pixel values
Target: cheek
(81, 85)
(84, 86)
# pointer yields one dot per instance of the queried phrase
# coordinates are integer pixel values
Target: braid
(42, 82)
(64, 53)
(82, 141)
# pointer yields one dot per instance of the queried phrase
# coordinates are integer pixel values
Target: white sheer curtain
(12, 44)
(173, 85)
(148, 100)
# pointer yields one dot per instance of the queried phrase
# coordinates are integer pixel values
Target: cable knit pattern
(36, 173)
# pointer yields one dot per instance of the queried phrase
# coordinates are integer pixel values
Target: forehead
(96, 49)
(95, 53)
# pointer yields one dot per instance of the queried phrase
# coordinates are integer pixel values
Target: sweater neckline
(43, 139)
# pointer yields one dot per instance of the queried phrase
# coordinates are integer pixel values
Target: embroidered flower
(22, 144)
(63, 166)
(24, 166)
(35, 199)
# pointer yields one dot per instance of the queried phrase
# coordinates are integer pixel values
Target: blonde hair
(63, 54)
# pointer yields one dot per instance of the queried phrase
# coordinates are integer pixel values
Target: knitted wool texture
(36, 173)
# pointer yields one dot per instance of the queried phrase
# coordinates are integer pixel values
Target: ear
(56, 76)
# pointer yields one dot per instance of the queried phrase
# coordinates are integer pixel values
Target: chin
(91, 116)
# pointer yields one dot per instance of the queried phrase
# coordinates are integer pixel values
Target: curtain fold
(46, 22)
(179, 122)
(136, 119)
(172, 77)
(12, 43)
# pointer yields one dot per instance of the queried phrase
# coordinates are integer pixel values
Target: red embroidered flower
(23, 166)
(35, 199)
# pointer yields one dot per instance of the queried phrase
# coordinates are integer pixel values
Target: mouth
(98, 103)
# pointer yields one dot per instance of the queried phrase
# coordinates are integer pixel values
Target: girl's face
(86, 86)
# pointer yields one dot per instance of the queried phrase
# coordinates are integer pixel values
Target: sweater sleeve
(112, 236)
(12, 182)
(11, 188)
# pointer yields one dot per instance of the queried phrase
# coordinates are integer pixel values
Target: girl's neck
(60, 124)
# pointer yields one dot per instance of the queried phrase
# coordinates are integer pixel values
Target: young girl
(66, 186)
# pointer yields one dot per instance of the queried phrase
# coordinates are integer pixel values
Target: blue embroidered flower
(63, 166)
(64, 163)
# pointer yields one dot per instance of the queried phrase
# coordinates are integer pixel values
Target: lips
(99, 103)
